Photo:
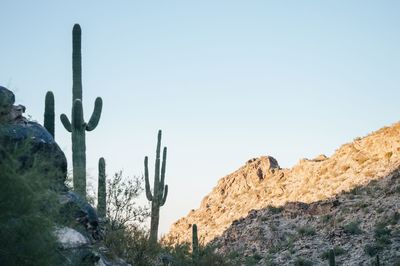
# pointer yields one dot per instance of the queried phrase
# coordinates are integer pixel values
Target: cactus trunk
(101, 190)
(332, 258)
(49, 113)
(160, 192)
(195, 245)
(78, 125)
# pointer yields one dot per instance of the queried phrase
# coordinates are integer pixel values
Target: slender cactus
(49, 113)
(332, 258)
(101, 189)
(195, 245)
(78, 126)
(160, 192)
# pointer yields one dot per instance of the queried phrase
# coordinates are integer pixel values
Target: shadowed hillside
(261, 183)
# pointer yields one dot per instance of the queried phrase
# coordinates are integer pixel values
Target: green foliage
(373, 249)
(160, 192)
(252, 260)
(78, 126)
(336, 250)
(353, 228)
(27, 211)
(382, 234)
(101, 189)
(302, 262)
(275, 210)
(327, 218)
(122, 209)
(306, 231)
(49, 113)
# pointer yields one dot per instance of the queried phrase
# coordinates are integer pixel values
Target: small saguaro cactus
(101, 189)
(49, 113)
(195, 244)
(160, 192)
(332, 258)
(78, 126)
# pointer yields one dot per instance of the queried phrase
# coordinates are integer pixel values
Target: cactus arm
(163, 167)
(95, 118)
(146, 178)
(49, 113)
(65, 121)
(165, 196)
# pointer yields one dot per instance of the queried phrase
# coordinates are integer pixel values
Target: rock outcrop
(261, 183)
(78, 228)
(358, 225)
(18, 132)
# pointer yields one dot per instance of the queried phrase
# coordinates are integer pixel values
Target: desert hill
(261, 183)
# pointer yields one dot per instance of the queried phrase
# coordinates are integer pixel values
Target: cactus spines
(332, 258)
(49, 113)
(160, 191)
(78, 126)
(101, 189)
(195, 244)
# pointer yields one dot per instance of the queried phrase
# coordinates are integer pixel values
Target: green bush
(353, 228)
(306, 231)
(27, 211)
(336, 250)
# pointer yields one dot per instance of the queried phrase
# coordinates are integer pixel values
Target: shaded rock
(17, 131)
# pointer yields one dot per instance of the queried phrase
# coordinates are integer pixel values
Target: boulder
(18, 133)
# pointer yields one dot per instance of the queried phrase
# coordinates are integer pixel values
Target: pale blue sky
(225, 80)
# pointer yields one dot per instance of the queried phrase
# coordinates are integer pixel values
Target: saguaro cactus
(332, 258)
(195, 245)
(160, 192)
(78, 126)
(49, 113)
(101, 189)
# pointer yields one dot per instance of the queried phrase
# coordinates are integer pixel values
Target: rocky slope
(358, 225)
(261, 183)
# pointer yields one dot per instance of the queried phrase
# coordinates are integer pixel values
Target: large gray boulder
(17, 132)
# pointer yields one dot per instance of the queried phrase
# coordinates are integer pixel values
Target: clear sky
(225, 80)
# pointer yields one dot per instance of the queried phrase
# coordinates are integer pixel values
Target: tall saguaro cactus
(78, 126)
(101, 189)
(195, 245)
(49, 113)
(160, 192)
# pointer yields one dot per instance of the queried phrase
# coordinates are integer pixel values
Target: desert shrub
(306, 231)
(275, 210)
(302, 262)
(336, 250)
(382, 234)
(27, 210)
(373, 249)
(122, 208)
(125, 236)
(353, 228)
(326, 218)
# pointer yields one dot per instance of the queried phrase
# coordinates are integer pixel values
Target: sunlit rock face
(260, 182)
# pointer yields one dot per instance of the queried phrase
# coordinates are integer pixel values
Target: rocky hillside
(261, 183)
(358, 225)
